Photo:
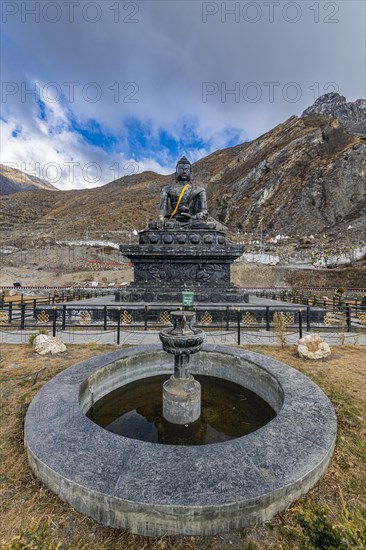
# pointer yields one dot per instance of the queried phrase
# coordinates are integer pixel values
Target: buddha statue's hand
(185, 215)
(200, 215)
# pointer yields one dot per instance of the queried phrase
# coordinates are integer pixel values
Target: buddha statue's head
(183, 170)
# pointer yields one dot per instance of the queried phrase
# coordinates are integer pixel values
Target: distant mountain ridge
(13, 181)
(306, 175)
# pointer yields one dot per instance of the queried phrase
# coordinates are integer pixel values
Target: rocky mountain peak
(351, 115)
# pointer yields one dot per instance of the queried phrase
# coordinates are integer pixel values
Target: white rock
(313, 347)
(44, 344)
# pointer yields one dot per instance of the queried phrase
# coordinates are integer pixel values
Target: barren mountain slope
(303, 176)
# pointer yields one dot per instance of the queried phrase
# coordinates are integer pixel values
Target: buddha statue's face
(183, 172)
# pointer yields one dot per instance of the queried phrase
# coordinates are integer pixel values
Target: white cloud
(51, 150)
(154, 71)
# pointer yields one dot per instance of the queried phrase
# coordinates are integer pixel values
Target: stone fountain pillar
(182, 393)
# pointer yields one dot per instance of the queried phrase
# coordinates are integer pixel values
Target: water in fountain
(227, 411)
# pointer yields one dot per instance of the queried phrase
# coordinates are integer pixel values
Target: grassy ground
(332, 515)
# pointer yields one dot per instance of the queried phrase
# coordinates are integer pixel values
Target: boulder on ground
(44, 344)
(313, 347)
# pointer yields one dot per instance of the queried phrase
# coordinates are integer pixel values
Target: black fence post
(238, 321)
(63, 318)
(268, 328)
(308, 319)
(105, 318)
(356, 310)
(119, 327)
(300, 323)
(10, 312)
(227, 318)
(49, 297)
(54, 319)
(145, 317)
(348, 313)
(22, 316)
(34, 307)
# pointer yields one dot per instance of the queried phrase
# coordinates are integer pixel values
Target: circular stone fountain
(154, 489)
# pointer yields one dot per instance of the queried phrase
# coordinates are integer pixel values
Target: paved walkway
(138, 338)
(110, 301)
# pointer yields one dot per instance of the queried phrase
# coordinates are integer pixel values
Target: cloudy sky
(92, 91)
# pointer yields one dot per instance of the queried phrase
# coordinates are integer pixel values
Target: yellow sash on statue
(178, 203)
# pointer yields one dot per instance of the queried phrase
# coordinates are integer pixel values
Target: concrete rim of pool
(154, 489)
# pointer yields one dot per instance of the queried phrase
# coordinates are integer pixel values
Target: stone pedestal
(175, 258)
(181, 400)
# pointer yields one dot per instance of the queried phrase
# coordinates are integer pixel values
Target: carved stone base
(169, 260)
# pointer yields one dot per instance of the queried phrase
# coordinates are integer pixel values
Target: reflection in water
(135, 411)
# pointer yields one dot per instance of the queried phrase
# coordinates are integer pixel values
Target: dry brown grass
(343, 378)
(41, 520)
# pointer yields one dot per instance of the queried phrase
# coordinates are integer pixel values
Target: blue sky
(91, 89)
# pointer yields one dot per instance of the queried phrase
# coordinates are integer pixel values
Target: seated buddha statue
(181, 202)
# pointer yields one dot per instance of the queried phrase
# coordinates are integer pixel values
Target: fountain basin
(154, 489)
